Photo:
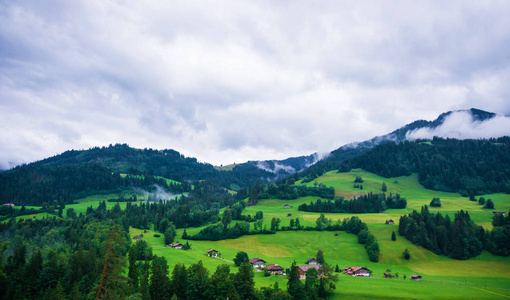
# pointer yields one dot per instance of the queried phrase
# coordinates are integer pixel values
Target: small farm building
(275, 269)
(258, 263)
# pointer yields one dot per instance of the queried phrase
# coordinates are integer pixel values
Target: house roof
(354, 269)
(305, 268)
(310, 259)
(176, 244)
(274, 267)
(414, 276)
(211, 250)
(256, 259)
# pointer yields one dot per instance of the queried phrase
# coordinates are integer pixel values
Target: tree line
(35, 185)
(465, 166)
(459, 238)
(369, 203)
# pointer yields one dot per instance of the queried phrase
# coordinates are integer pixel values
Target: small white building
(258, 263)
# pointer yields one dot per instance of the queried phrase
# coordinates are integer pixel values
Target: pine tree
(393, 236)
(159, 287)
(320, 257)
(406, 254)
(294, 286)
(179, 281)
(32, 273)
(244, 283)
(133, 272)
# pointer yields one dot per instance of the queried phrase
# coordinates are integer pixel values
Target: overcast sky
(231, 81)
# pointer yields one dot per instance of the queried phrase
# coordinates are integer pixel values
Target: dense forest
(75, 174)
(459, 238)
(369, 203)
(465, 166)
(36, 185)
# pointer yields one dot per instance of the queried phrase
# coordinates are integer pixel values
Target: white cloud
(460, 125)
(235, 81)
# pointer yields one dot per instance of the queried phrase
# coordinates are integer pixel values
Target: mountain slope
(334, 160)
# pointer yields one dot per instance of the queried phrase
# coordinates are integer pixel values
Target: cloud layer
(231, 81)
(460, 125)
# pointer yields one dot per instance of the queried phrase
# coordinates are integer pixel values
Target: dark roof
(211, 250)
(256, 259)
(305, 268)
(274, 267)
(310, 259)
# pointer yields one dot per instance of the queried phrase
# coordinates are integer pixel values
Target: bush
(406, 254)
(435, 202)
(241, 256)
(489, 204)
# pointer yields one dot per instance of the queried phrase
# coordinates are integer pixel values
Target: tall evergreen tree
(159, 287)
(294, 286)
(199, 283)
(244, 283)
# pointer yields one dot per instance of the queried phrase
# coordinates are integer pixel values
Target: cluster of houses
(276, 269)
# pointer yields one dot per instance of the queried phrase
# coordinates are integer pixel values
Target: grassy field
(483, 277)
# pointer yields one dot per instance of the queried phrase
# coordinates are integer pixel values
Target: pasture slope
(483, 277)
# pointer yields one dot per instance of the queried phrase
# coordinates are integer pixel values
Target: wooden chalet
(390, 222)
(9, 204)
(387, 275)
(137, 237)
(286, 206)
(212, 253)
(312, 261)
(177, 246)
(275, 269)
(416, 277)
(302, 270)
(258, 263)
(494, 212)
(358, 271)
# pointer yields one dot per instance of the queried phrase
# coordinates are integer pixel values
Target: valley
(484, 277)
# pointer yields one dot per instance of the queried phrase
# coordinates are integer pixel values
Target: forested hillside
(465, 166)
(76, 174)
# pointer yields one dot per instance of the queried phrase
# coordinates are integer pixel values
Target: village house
(286, 206)
(387, 275)
(494, 212)
(357, 271)
(137, 237)
(9, 204)
(302, 270)
(390, 222)
(258, 263)
(177, 246)
(416, 277)
(312, 261)
(212, 253)
(275, 269)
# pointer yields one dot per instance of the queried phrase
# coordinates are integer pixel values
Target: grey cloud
(252, 79)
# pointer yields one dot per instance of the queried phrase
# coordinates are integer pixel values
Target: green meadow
(483, 277)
